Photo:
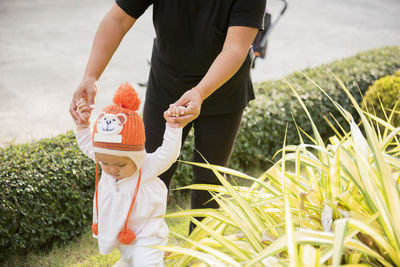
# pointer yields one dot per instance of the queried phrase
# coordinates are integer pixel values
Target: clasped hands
(180, 113)
(185, 110)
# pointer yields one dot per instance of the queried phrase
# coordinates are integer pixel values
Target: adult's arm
(235, 49)
(113, 27)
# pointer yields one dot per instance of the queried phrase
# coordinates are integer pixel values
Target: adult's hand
(226, 64)
(192, 100)
(87, 89)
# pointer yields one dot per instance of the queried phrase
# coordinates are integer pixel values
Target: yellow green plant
(319, 205)
(382, 98)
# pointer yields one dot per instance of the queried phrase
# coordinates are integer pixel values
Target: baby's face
(116, 166)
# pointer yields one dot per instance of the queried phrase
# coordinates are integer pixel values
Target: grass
(77, 251)
(83, 252)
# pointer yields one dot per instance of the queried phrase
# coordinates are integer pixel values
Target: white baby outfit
(115, 197)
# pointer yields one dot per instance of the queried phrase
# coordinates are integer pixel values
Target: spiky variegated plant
(340, 203)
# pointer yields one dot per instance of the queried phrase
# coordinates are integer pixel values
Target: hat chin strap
(126, 236)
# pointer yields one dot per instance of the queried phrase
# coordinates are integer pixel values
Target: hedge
(264, 121)
(46, 194)
(47, 186)
(385, 93)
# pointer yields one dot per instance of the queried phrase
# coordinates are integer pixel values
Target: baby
(129, 199)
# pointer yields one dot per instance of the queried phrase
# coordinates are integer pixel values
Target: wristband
(199, 91)
(83, 125)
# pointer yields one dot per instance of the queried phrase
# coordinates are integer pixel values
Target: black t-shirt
(189, 36)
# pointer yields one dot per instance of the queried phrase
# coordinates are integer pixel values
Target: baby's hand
(84, 110)
(174, 112)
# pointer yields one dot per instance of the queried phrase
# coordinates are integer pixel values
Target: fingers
(185, 119)
(179, 121)
(185, 109)
(91, 94)
(191, 113)
(80, 110)
(84, 113)
(83, 110)
(182, 110)
(170, 120)
(83, 105)
(172, 113)
(86, 93)
(72, 107)
(176, 111)
(74, 114)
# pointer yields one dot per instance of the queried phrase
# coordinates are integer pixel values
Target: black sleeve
(134, 8)
(248, 13)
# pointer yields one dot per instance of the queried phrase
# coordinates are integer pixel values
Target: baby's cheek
(106, 170)
(130, 170)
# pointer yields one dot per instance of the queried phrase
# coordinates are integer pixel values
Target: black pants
(214, 138)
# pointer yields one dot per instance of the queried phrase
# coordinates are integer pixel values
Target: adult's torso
(189, 36)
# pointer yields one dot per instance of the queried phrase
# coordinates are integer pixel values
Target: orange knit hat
(119, 130)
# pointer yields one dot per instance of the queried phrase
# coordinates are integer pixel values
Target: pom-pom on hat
(119, 130)
(126, 97)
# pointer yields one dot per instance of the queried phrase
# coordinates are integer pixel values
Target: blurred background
(44, 47)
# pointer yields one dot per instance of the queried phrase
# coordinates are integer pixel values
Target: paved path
(44, 45)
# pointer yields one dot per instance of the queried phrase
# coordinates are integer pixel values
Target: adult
(200, 59)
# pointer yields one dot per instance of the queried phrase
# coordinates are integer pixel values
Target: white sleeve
(84, 140)
(160, 160)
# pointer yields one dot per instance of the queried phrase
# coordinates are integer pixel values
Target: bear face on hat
(109, 126)
(119, 126)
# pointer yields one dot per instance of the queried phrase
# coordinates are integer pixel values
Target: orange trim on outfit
(126, 236)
